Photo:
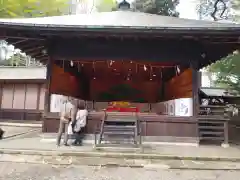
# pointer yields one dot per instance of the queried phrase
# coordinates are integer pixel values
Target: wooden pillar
(47, 99)
(195, 88)
(195, 94)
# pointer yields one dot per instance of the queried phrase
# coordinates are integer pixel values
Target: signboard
(56, 101)
(183, 107)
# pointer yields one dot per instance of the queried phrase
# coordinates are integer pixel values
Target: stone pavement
(34, 144)
(23, 171)
(58, 160)
(13, 130)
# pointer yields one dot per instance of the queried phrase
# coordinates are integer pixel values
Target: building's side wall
(20, 101)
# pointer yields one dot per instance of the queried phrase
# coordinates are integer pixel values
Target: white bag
(70, 132)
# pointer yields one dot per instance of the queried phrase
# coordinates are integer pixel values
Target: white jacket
(81, 120)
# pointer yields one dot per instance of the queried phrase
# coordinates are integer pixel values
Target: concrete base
(224, 145)
(146, 140)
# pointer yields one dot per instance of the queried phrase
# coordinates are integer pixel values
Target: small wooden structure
(218, 114)
(88, 55)
(22, 92)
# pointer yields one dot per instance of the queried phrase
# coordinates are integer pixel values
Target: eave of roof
(22, 73)
(119, 23)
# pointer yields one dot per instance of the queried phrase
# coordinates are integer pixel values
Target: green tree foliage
(236, 9)
(160, 7)
(17, 59)
(106, 5)
(227, 71)
(32, 8)
(228, 68)
(29, 8)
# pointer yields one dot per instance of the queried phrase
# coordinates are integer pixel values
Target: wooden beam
(30, 44)
(35, 53)
(18, 42)
(177, 51)
(33, 49)
(22, 37)
(41, 56)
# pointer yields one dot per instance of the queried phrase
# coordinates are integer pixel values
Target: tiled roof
(118, 19)
(217, 92)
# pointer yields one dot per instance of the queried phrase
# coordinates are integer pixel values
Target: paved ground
(10, 171)
(36, 142)
(13, 131)
(121, 162)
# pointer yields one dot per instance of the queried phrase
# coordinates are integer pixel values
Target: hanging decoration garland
(110, 64)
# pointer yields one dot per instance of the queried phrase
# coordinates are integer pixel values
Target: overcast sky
(187, 9)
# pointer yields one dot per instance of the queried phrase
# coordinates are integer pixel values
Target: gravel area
(19, 171)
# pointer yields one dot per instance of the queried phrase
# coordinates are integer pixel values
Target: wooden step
(120, 120)
(211, 122)
(212, 118)
(212, 138)
(130, 133)
(211, 127)
(210, 133)
(117, 130)
(213, 109)
(212, 106)
(120, 126)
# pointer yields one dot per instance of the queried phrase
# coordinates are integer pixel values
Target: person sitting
(80, 123)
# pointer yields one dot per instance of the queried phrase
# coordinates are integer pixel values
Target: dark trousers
(79, 137)
(63, 127)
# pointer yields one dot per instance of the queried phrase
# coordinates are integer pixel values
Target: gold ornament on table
(120, 104)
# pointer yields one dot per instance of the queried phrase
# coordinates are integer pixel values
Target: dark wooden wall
(179, 86)
(144, 91)
(64, 83)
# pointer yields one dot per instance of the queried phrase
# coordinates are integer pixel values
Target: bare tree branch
(217, 2)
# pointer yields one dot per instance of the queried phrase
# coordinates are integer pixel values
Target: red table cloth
(122, 109)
